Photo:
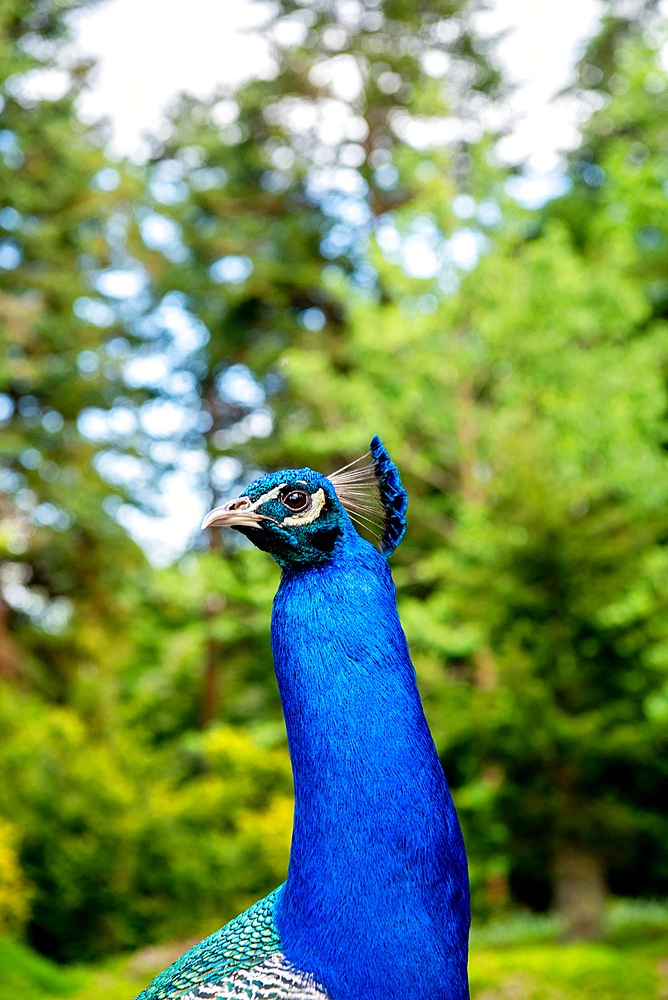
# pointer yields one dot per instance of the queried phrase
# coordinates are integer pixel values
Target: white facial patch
(317, 503)
(271, 495)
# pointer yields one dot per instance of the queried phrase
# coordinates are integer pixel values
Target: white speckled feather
(272, 979)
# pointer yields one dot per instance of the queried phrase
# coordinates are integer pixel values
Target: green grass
(566, 972)
(518, 958)
(26, 975)
(521, 958)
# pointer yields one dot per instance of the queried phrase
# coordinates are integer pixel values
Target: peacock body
(375, 905)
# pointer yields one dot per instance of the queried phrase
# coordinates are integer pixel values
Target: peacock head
(300, 516)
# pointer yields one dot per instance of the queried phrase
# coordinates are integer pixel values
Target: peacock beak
(233, 514)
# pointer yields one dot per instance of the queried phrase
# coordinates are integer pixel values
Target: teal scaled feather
(242, 943)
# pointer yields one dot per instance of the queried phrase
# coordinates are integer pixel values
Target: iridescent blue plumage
(375, 906)
(393, 497)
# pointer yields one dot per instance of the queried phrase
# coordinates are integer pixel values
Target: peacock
(376, 901)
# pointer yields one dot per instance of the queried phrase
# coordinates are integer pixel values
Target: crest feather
(372, 493)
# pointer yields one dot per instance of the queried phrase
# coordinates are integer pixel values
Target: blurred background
(245, 237)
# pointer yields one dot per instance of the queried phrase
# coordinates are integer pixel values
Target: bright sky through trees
(145, 59)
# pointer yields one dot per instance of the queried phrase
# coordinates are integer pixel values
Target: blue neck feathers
(376, 901)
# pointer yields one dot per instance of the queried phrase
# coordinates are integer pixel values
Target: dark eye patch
(297, 501)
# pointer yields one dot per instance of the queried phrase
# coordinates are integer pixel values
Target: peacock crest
(372, 493)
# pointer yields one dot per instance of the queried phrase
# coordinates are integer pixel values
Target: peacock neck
(376, 901)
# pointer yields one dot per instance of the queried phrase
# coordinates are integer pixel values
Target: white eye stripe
(271, 495)
(318, 502)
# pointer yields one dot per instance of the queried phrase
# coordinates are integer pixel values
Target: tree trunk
(9, 654)
(211, 684)
(211, 681)
(214, 605)
(486, 670)
(467, 438)
(580, 893)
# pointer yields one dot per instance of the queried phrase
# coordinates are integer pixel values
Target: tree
(492, 348)
(63, 556)
(253, 197)
(328, 254)
(91, 256)
(540, 421)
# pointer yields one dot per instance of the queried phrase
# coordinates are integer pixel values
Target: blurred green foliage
(55, 534)
(14, 888)
(126, 844)
(293, 270)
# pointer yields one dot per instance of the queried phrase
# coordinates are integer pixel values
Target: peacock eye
(296, 500)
